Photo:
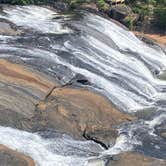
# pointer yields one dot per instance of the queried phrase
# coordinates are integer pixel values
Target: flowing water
(115, 63)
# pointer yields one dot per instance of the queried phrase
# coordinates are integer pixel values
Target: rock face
(10, 157)
(21, 90)
(6, 28)
(31, 101)
(136, 159)
(123, 14)
(82, 113)
(119, 12)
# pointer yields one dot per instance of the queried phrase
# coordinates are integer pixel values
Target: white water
(125, 77)
(62, 151)
(118, 65)
(37, 18)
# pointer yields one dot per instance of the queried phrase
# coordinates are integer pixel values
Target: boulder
(119, 12)
(10, 157)
(135, 159)
(82, 114)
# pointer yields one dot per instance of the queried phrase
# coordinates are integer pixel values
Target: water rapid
(115, 62)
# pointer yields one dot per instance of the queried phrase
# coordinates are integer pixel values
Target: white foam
(157, 120)
(123, 143)
(135, 86)
(126, 40)
(46, 152)
(38, 18)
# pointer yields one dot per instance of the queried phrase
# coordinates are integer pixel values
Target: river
(113, 60)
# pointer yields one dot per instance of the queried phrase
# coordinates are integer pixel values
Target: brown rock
(29, 101)
(18, 75)
(21, 90)
(158, 38)
(136, 159)
(80, 112)
(10, 157)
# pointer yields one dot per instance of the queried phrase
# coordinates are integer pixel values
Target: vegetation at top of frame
(150, 11)
(23, 2)
(72, 3)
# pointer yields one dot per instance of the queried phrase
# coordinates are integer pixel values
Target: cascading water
(115, 62)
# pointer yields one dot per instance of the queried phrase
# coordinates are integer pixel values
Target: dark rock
(61, 6)
(119, 12)
(80, 79)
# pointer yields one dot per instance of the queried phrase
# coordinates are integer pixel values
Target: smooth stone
(21, 90)
(9, 157)
(82, 114)
(136, 159)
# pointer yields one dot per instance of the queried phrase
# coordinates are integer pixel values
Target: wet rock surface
(10, 157)
(161, 130)
(20, 91)
(7, 28)
(136, 159)
(89, 60)
(32, 101)
(82, 113)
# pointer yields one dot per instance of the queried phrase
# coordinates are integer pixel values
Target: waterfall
(116, 63)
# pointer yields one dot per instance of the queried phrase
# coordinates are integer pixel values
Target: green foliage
(161, 2)
(23, 2)
(129, 22)
(102, 5)
(74, 3)
(160, 16)
(146, 9)
(150, 10)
